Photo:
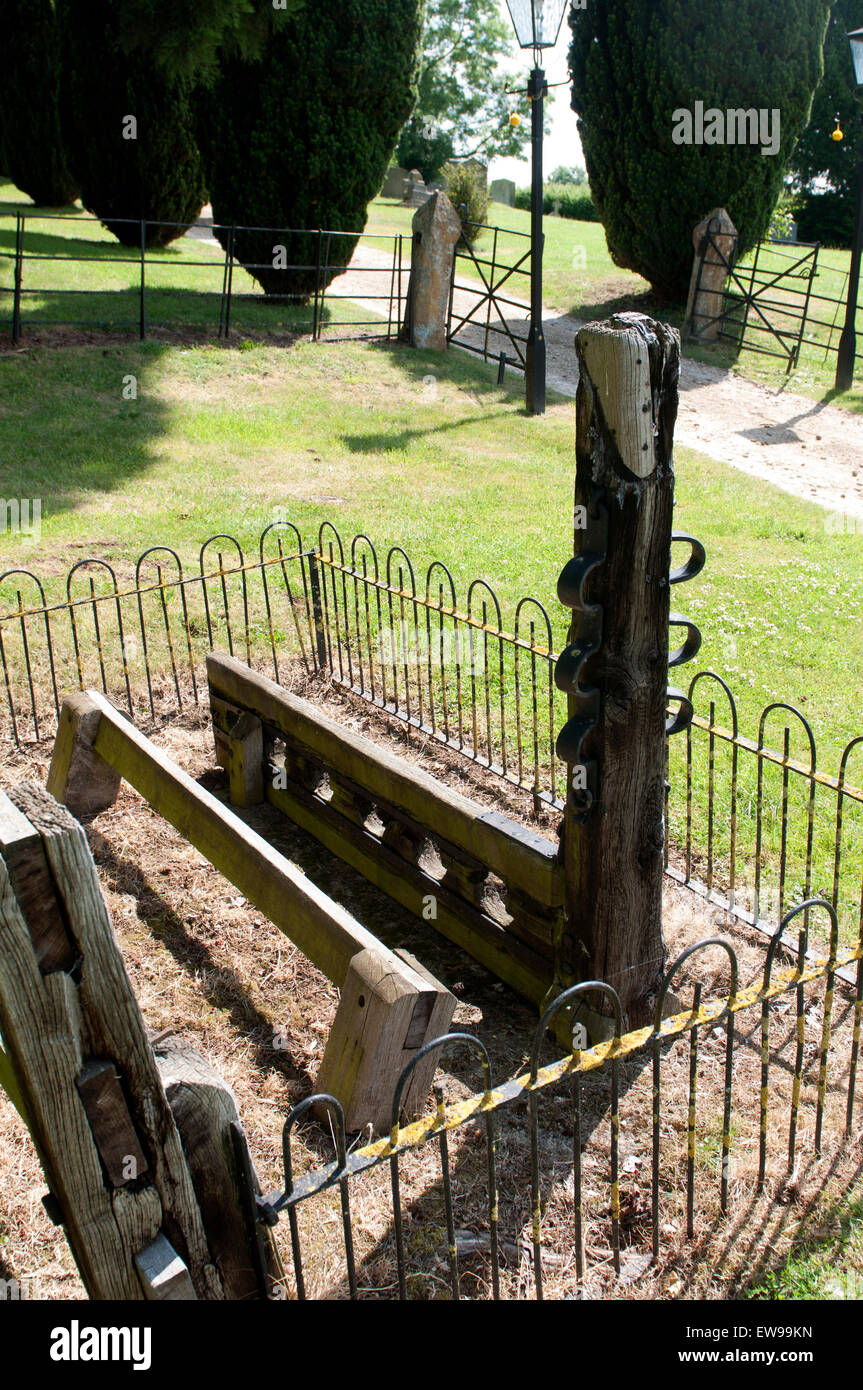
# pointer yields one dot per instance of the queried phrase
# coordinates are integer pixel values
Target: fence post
(230, 279)
(614, 668)
(19, 267)
(142, 325)
(315, 310)
(149, 1208)
(319, 640)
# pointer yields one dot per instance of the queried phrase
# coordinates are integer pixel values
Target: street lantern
(848, 341)
(536, 22)
(855, 38)
(537, 25)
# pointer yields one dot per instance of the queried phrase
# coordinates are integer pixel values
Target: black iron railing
(693, 1148)
(158, 290)
(753, 823)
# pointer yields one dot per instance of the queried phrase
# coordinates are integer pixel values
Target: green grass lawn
(425, 451)
(418, 449)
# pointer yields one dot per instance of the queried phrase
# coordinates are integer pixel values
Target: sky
(562, 145)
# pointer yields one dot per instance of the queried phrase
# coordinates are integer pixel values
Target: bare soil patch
(212, 970)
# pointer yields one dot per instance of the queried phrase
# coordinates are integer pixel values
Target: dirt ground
(209, 968)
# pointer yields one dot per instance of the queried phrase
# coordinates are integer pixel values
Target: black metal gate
(765, 305)
(478, 318)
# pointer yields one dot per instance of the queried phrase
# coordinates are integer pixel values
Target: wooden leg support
(78, 777)
(384, 1018)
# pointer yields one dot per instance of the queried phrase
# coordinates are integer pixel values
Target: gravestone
(415, 191)
(394, 183)
(503, 191)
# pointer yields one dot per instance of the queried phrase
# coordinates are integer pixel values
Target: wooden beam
(526, 967)
(51, 1025)
(323, 931)
(518, 855)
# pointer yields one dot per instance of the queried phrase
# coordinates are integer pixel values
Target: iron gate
(477, 318)
(765, 305)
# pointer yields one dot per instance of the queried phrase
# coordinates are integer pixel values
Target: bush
(636, 66)
(302, 138)
(159, 174)
(469, 196)
(419, 148)
(32, 152)
(825, 217)
(561, 200)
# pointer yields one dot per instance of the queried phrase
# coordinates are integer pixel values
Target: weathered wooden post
(139, 1151)
(614, 667)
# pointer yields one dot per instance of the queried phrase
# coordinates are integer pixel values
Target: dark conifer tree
(301, 138)
(634, 64)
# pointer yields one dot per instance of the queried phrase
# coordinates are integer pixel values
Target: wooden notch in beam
(508, 849)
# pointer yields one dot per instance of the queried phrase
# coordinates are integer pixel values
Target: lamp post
(537, 25)
(848, 341)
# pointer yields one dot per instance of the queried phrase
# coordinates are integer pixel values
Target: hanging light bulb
(838, 133)
(514, 118)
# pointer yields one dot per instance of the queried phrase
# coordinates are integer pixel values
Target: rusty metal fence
(753, 824)
(693, 1160)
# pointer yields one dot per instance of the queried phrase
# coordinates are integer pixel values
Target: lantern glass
(855, 38)
(536, 22)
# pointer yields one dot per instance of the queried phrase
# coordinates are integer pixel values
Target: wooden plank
(163, 1275)
(246, 761)
(109, 1119)
(204, 1108)
(24, 854)
(322, 930)
(506, 847)
(50, 1025)
(512, 960)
